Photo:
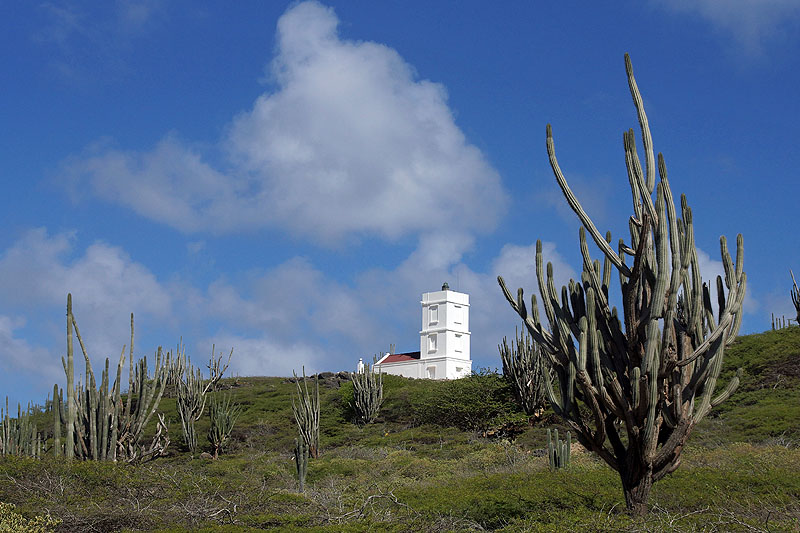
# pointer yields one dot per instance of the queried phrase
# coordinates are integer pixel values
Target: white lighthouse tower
(444, 340)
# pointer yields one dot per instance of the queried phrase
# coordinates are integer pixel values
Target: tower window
(458, 313)
(431, 343)
(434, 314)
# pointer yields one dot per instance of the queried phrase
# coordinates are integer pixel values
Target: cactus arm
(647, 139)
(576, 206)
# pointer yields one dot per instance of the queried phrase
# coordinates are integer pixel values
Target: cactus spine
(646, 376)
(558, 451)
(306, 413)
(367, 394)
(524, 368)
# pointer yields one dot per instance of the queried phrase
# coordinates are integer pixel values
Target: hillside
(413, 471)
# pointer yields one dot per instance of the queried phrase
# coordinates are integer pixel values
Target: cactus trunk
(301, 462)
(69, 449)
(637, 481)
(56, 421)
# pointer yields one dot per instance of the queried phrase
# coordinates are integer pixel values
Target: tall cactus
(367, 394)
(58, 420)
(645, 378)
(98, 426)
(524, 368)
(795, 297)
(72, 413)
(306, 413)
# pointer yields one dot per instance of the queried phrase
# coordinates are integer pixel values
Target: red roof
(399, 357)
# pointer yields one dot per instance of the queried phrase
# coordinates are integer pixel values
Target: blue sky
(287, 178)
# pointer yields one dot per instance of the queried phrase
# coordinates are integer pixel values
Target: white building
(443, 341)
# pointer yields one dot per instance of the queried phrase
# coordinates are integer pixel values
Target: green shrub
(13, 522)
(479, 402)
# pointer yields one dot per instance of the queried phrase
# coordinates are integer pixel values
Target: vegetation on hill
(414, 470)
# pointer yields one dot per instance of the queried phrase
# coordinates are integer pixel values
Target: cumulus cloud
(38, 271)
(262, 356)
(753, 23)
(349, 143)
(17, 354)
(517, 265)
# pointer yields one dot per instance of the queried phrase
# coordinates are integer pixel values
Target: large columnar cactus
(633, 386)
(367, 394)
(306, 413)
(19, 436)
(525, 369)
(72, 412)
(795, 297)
(99, 425)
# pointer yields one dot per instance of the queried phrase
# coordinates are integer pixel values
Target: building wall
(430, 368)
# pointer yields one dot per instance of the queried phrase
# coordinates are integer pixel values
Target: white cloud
(170, 184)
(517, 265)
(753, 23)
(262, 356)
(37, 272)
(17, 354)
(350, 143)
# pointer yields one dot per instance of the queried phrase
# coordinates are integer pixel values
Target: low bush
(13, 522)
(479, 402)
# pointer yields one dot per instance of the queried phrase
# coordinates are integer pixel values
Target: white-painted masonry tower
(444, 340)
